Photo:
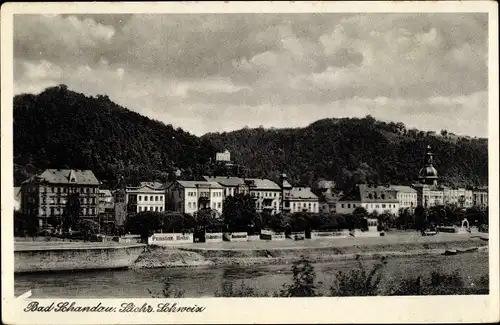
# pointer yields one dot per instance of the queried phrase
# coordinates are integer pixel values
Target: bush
(436, 284)
(228, 290)
(303, 284)
(358, 282)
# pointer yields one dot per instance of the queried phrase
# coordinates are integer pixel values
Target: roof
(144, 188)
(156, 185)
(199, 184)
(402, 188)
(329, 197)
(262, 184)
(367, 193)
(428, 186)
(225, 180)
(105, 192)
(286, 184)
(65, 176)
(302, 193)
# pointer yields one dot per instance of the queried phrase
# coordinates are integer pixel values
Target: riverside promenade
(394, 244)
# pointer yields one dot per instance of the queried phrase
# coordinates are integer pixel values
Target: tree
(420, 218)
(304, 278)
(239, 212)
(88, 228)
(360, 212)
(208, 221)
(71, 211)
(25, 224)
(144, 224)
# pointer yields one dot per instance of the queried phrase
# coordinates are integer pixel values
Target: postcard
(250, 162)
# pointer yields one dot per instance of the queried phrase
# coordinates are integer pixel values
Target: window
(140, 209)
(84, 211)
(151, 198)
(383, 205)
(161, 198)
(88, 190)
(52, 189)
(156, 209)
(156, 197)
(219, 205)
(140, 198)
(194, 205)
(145, 198)
(348, 205)
(342, 205)
(189, 205)
(161, 209)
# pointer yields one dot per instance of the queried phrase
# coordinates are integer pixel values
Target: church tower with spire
(428, 174)
(428, 192)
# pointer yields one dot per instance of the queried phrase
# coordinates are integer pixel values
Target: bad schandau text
(124, 307)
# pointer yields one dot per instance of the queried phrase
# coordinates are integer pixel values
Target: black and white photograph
(323, 154)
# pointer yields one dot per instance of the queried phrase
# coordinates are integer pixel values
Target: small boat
(429, 233)
(449, 252)
(470, 250)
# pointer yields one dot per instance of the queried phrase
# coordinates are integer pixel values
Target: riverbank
(320, 251)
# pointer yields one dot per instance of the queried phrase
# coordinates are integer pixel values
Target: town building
(192, 196)
(429, 194)
(106, 210)
(223, 156)
(372, 198)
(406, 196)
(45, 195)
(302, 199)
(267, 194)
(145, 198)
(480, 197)
(460, 197)
(105, 199)
(232, 185)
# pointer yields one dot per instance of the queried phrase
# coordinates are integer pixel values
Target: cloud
(254, 69)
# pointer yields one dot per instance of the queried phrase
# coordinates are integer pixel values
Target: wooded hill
(60, 128)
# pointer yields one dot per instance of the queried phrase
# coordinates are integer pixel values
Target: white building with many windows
(302, 199)
(460, 197)
(267, 194)
(145, 198)
(232, 185)
(406, 196)
(373, 198)
(192, 196)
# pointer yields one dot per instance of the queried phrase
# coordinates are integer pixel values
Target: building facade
(406, 196)
(460, 197)
(145, 198)
(223, 156)
(267, 194)
(372, 198)
(231, 185)
(302, 199)
(192, 196)
(480, 197)
(45, 195)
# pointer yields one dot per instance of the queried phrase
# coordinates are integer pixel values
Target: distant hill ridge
(60, 128)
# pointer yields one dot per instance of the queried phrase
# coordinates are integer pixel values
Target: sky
(222, 72)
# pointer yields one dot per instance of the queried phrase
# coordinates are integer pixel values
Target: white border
(259, 310)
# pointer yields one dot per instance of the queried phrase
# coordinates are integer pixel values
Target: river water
(204, 282)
